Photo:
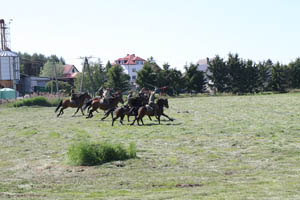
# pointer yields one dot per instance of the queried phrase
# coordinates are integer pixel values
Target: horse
(68, 103)
(159, 108)
(121, 112)
(113, 102)
(134, 104)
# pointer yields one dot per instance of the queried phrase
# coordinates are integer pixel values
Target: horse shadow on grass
(156, 124)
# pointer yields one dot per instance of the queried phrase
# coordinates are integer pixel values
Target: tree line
(233, 75)
(239, 76)
(33, 65)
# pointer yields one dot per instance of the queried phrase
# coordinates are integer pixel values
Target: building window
(133, 70)
(133, 77)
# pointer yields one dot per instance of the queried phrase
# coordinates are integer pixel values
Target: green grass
(224, 147)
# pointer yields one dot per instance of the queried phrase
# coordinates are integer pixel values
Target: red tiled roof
(130, 59)
(67, 69)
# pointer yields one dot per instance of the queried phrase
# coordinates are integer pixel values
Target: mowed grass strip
(233, 147)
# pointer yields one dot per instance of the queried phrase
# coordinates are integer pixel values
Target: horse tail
(59, 105)
(88, 104)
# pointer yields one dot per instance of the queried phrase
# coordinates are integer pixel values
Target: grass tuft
(86, 153)
(35, 101)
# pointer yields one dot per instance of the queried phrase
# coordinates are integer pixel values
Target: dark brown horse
(113, 102)
(68, 103)
(159, 108)
(120, 113)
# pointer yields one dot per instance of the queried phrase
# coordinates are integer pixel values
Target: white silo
(9, 61)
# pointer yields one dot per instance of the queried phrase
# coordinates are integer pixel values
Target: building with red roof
(70, 73)
(131, 65)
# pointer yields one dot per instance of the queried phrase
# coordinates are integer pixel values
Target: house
(70, 73)
(131, 65)
(202, 65)
(31, 84)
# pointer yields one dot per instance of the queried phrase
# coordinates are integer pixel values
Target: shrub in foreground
(87, 153)
(36, 101)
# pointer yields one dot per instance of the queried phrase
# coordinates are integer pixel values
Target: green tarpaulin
(7, 93)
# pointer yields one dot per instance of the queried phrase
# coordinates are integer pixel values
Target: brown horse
(68, 103)
(113, 102)
(122, 111)
(159, 108)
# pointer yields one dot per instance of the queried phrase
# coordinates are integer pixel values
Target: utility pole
(86, 62)
(82, 77)
(52, 80)
(55, 75)
(86, 65)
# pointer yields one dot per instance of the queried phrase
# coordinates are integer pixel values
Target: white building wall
(132, 70)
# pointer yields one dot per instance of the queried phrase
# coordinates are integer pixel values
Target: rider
(129, 96)
(151, 101)
(100, 91)
(74, 97)
(142, 92)
(107, 95)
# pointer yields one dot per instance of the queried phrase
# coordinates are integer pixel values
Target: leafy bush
(66, 87)
(87, 153)
(36, 101)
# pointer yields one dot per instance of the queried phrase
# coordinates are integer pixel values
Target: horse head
(163, 103)
(86, 96)
(120, 98)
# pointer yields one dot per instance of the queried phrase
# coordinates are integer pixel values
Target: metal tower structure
(5, 36)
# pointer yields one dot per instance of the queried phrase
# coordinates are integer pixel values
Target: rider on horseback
(74, 97)
(100, 91)
(107, 96)
(130, 95)
(151, 105)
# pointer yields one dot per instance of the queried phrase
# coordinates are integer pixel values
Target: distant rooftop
(130, 59)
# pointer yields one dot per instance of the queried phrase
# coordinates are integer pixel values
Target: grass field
(240, 147)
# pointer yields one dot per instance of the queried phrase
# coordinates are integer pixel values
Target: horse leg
(60, 112)
(158, 117)
(138, 121)
(121, 120)
(90, 114)
(76, 112)
(149, 117)
(133, 121)
(82, 111)
(113, 120)
(106, 115)
(143, 121)
(163, 114)
(128, 118)
(112, 114)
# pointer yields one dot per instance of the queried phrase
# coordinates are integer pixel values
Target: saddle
(149, 108)
(105, 101)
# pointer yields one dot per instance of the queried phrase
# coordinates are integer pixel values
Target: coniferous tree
(117, 79)
(237, 74)
(294, 73)
(147, 76)
(194, 79)
(279, 80)
(264, 70)
(218, 74)
(252, 77)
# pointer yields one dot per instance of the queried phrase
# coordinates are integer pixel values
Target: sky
(177, 32)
